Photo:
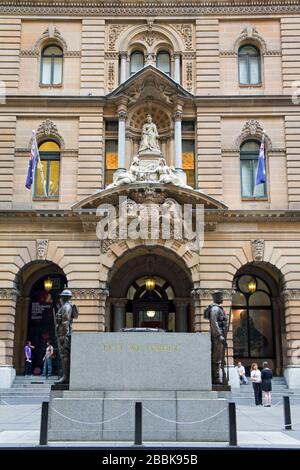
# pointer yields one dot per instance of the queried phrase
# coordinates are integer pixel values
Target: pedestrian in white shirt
(256, 383)
(241, 373)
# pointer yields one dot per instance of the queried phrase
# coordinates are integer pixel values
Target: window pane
(111, 160)
(254, 63)
(188, 126)
(39, 190)
(250, 146)
(246, 177)
(53, 179)
(136, 62)
(46, 70)
(49, 146)
(238, 299)
(240, 332)
(259, 299)
(243, 74)
(57, 70)
(52, 50)
(163, 62)
(188, 161)
(261, 335)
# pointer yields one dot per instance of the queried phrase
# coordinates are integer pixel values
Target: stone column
(123, 66)
(119, 311)
(8, 300)
(122, 141)
(177, 67)
(178, 144)
(181, 320)
(291, 338)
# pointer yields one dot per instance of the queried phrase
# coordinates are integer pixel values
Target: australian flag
(33, 159)
(261, 167)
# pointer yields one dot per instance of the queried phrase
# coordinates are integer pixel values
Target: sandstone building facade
(213, 76)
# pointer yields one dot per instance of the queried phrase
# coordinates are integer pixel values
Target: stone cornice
(212, 216)
(290, 294)
(198, 101)
(150, 8)
(94, 294)
(206, 294)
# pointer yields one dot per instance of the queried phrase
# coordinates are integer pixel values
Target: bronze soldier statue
(218, 328)
(64, 320)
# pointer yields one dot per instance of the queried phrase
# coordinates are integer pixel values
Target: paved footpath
(257, 425)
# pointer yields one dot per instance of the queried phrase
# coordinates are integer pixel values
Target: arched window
(252, 319)
(136, 62)
(50, 160)
(249, 153)
(249, 65)
(52, 65)
(163, 62)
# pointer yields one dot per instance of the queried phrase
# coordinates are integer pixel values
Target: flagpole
(39, 164)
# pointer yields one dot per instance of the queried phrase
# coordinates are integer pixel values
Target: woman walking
(256, 383)
(266, 377)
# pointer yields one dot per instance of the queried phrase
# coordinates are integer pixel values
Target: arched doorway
(149, 289)
(257, 316)
(151, 304)
(40, 284)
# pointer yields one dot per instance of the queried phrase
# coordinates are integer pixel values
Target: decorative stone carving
(106, 244)
(252, 34)
(148, 195)
(9, 294)
(249, 34)
(48, 129)
(42, 248)
(251, 129)
(206, 294)
(189, 76)
(111, 76)
(168, 8)
(153, 87)
(97, 293)
(258, 248)
(50, 33)
(290, 294)
(186, 32)
(114, 32)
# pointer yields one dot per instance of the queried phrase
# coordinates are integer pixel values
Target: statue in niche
(149, 140)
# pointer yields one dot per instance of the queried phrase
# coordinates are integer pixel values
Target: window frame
(245, 155)
(47, 156)
(136, 52)
(52, 57)
(248, 308)
(248, 66)
(164, 51)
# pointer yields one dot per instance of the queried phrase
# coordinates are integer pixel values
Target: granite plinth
(140, 361)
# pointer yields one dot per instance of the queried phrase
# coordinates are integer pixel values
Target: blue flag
(33, 159)
(261, 166)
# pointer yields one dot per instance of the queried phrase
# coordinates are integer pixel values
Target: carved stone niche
(42, 248)
(258, 248)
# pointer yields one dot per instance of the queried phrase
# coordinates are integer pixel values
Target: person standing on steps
(28, 358)
(47, 370)
(256, 383)
(266, 377)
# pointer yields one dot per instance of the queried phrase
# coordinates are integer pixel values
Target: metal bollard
(138, 437)
(44, 424)
(232, 424)
(287, 413)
